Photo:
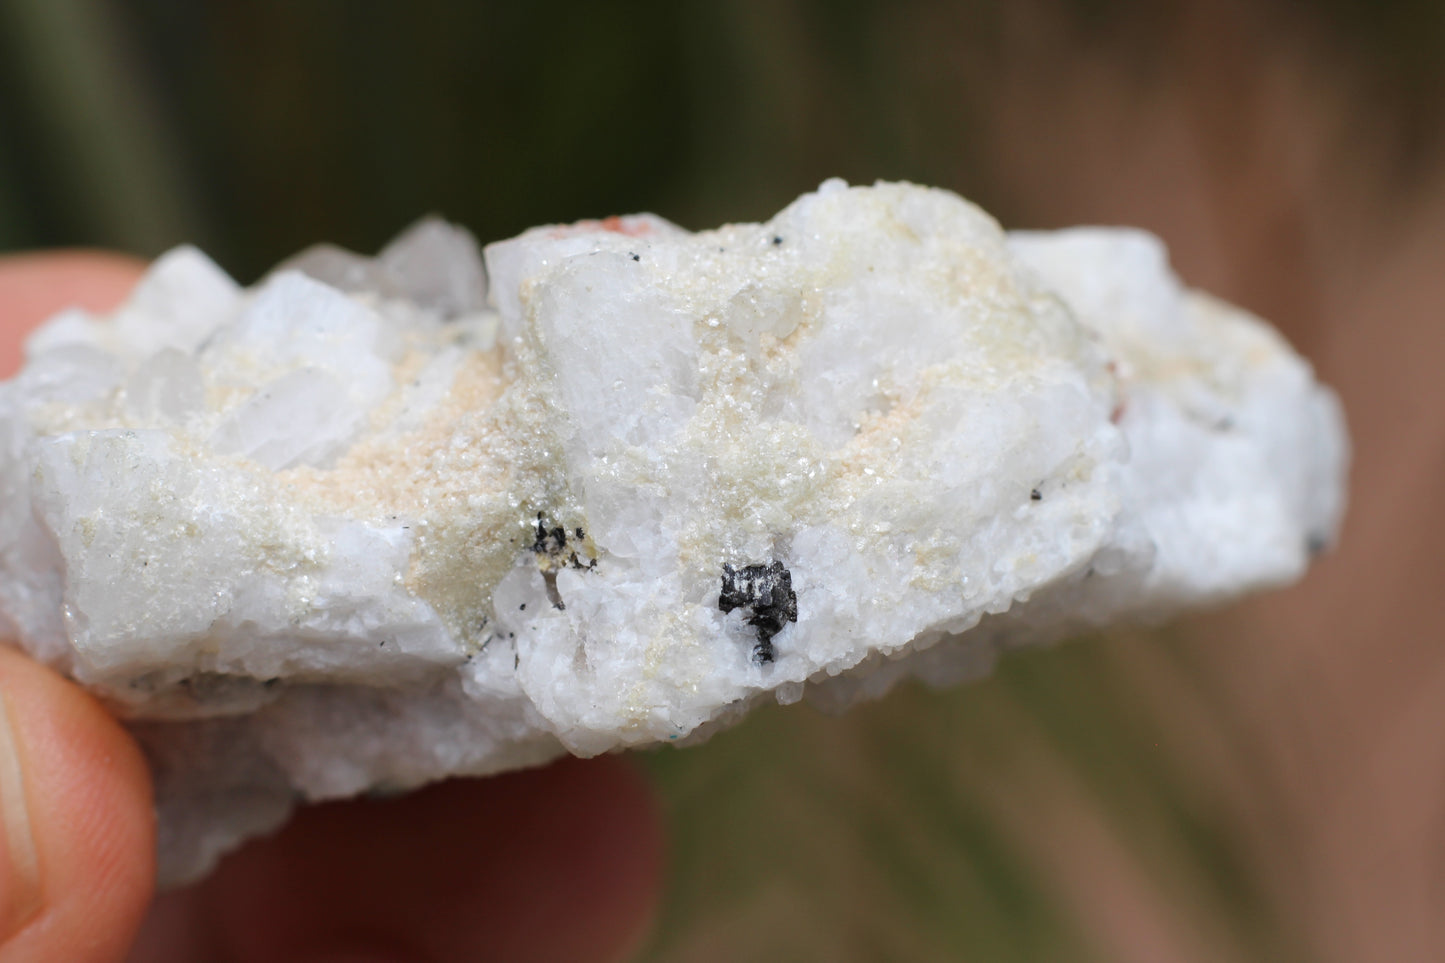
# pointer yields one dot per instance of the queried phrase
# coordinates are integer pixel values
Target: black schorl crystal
(766, 591)
(549, 541)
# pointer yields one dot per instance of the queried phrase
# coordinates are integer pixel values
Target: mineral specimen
(378, 521)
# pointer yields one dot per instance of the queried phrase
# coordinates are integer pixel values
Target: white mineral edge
(379, 521)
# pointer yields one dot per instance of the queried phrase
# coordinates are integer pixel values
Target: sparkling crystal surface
(381, 520)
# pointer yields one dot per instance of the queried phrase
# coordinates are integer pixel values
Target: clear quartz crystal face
(376, 521)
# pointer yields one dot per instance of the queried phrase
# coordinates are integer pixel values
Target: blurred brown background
(1261, 784)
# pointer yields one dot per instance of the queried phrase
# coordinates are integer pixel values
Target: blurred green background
(988, 823)
(257, 127)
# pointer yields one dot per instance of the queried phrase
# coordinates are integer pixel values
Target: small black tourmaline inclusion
(549, 541)
(551, 547)
(766, 591)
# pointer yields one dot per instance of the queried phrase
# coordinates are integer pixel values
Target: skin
(560, 863)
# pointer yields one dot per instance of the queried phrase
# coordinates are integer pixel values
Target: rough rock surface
(377, 521)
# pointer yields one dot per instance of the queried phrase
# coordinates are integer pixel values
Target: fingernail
(19, 862)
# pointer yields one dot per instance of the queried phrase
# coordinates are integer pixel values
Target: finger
(76, 824)
(77, 834)
(561, 863)
(35, 286)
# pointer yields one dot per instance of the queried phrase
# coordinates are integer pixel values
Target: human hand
(561, 863)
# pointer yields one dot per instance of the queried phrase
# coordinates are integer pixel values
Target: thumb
(35, 286)
(77, 831)
(77, 828)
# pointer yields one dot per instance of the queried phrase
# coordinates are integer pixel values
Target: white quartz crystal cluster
(377, 521)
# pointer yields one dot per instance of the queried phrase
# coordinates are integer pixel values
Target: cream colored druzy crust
(378, 521)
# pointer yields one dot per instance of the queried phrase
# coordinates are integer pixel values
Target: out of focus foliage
(255, 127)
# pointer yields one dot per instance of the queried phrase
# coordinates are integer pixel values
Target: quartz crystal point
(376, 521)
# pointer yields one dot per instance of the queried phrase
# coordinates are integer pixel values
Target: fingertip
(559, 863)
(84, 802)
(33, 287)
